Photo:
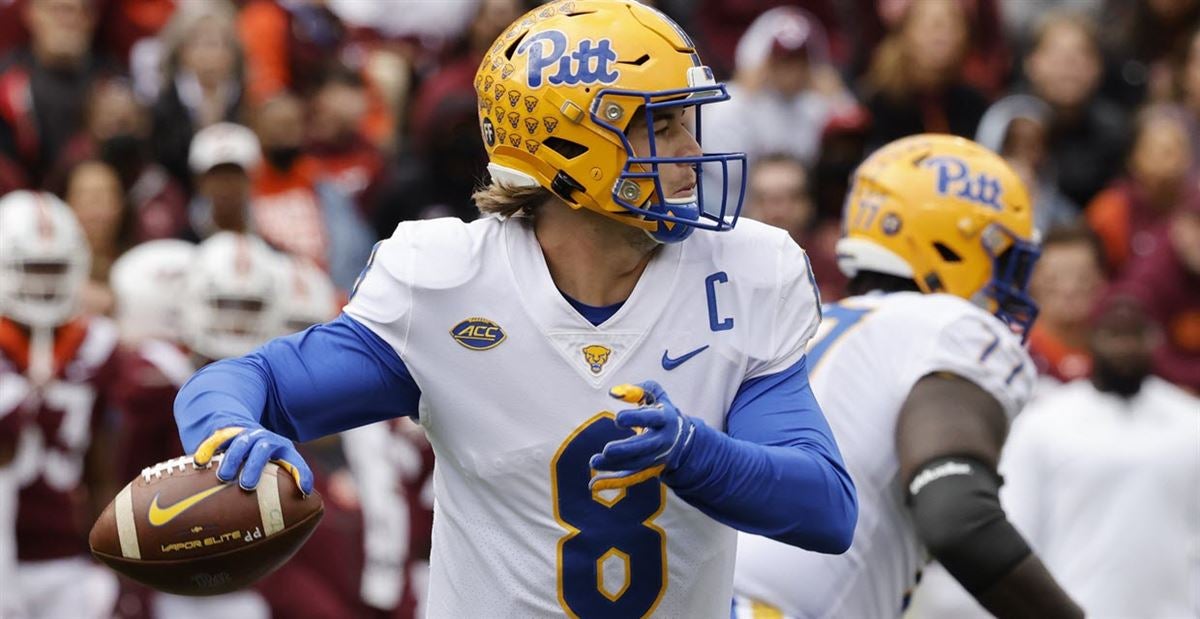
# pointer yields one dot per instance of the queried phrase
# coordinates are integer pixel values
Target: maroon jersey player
(54, 366)
(182, 306)
(393, 464)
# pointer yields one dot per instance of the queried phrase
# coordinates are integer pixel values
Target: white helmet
(44, 259)
(311, 296)
(148, 282)
(233, 296)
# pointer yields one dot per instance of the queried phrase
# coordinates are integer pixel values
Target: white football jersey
(863, 363)
(514, 398)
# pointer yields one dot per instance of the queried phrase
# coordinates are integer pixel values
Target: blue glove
(660, 445)
(250, 449)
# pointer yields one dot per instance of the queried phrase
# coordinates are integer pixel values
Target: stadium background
(362, 114)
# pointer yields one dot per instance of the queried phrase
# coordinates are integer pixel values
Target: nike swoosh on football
(670, 364)
(162, 515)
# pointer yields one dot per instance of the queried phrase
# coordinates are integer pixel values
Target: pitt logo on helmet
(596, 356)
(478, 334)
(953, 175)
(588, 64)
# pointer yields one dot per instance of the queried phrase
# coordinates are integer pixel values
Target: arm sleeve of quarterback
(778, 472)
(979, 348)
(325, 379)
(796, 314)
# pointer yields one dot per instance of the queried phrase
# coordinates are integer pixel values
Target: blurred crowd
(231, 163)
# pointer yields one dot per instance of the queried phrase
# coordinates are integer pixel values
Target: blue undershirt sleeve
(328, 378)
(777, 472)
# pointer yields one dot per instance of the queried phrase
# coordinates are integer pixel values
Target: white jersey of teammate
(514, 398)
(863, 362)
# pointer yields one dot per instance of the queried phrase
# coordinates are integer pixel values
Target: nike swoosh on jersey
(670, 364)
(162, 515)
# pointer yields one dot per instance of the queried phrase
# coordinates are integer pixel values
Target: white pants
(73, 587)
(239, 604)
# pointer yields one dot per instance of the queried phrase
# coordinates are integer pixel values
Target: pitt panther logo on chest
(596, 356)
(591, 62)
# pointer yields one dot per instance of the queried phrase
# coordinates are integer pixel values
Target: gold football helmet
(559, 88)
(949, 214)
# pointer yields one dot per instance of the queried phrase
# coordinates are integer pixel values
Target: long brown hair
(507, 201)
(123, 237)
(891, 70)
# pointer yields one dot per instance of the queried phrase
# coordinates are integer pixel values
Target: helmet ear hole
(508, 52)
(566, 148)
(947, 254)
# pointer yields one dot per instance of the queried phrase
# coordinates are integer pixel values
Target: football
(179, 529)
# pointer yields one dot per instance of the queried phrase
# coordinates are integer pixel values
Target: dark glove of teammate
(250, 449)
(662, 441)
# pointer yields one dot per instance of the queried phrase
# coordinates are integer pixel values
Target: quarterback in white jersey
(583, 291)
(920, 373)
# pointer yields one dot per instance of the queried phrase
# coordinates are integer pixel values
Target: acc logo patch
(478, 334)
(596, 356)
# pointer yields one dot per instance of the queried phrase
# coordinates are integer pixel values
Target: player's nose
(688, 146)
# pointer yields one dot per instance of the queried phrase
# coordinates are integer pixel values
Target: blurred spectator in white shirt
(1103, 478)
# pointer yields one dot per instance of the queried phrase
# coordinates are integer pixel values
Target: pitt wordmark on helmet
(948, 214)
(559, 88)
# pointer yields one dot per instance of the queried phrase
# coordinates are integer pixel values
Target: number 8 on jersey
(613, 560)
